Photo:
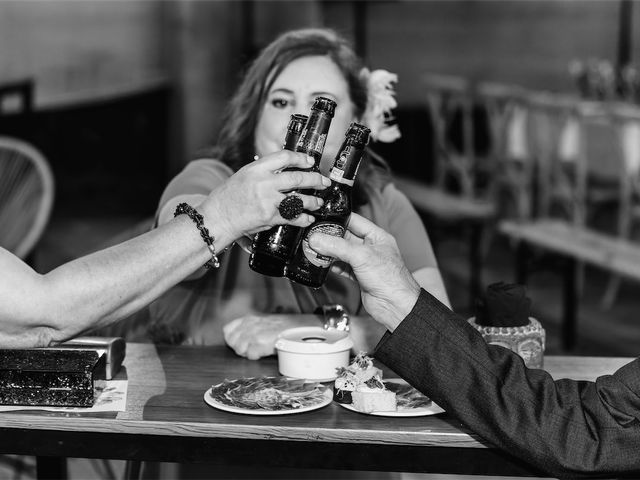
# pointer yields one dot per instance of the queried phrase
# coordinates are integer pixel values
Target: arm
(253, 336)
(413, 242)
(93, 291)
(564, 427)
(191, 185)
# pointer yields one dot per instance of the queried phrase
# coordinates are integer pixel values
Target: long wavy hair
(235, 145)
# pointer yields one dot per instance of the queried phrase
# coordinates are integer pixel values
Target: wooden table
(168, 420)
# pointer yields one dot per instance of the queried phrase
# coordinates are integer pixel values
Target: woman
(244, 308)
(96, 290)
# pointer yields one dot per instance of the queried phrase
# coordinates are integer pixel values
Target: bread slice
(368, 400)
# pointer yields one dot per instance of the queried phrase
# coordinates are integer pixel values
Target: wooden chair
(450, 98)
(512, 161)
(456, 196)
(561, 225)
(626, 120)
(26, 195)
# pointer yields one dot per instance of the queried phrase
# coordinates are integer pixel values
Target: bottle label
(312, 143)
(327, 228)
(337, 175)
(345, 167)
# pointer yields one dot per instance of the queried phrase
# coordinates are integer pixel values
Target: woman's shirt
(196, 310)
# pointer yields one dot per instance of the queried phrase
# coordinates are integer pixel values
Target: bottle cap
(359, 133)
(297, 123)
(325, 104)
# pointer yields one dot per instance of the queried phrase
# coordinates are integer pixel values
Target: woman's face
(294, 91)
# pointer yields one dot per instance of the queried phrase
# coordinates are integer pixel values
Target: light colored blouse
(195, 311)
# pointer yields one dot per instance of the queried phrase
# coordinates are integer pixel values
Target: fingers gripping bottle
(308, 267)
(273, 248)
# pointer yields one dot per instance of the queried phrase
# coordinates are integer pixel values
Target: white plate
(326, 400)
(432, 409)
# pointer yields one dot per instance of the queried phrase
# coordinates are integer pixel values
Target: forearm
(166, 214)
(106, 286)
(567, 428)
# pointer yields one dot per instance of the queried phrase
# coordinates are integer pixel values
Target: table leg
(51, 468)
(132, 470)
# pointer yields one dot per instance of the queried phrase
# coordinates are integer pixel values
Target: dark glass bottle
(315, 133)
(308, 267)
(273, 248)
(276, 248)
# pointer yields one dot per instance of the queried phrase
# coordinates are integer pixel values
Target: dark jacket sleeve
(565, 427)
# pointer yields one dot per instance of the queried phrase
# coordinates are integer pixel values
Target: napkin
(503, 305)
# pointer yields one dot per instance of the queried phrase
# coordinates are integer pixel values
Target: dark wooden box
(51, 376)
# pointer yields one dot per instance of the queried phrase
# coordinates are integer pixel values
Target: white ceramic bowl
(312, 353)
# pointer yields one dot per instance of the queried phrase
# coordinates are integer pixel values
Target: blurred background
(119, 95)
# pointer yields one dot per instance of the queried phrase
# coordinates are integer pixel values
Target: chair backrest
(449, 98)
(512, 161)
(626, 119)
(26, 195)
(556, 137)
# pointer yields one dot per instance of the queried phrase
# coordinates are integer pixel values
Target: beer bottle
(275, 249)
(315, 133)
(272, 248)
(308, 267)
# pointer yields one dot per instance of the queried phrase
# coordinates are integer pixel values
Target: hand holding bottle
(247, 202)
(388, 289)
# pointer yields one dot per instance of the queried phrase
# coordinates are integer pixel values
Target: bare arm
(254, 336)
(93, 291)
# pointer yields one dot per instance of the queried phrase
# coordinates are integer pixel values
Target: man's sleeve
(564, 427)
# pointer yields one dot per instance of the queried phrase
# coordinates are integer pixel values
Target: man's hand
(388, 289)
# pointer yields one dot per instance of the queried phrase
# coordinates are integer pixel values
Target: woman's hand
(254, 336)
(248, 201)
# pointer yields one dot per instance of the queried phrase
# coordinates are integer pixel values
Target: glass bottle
(308, 267)
(314, 136)
(310, 142)
(273, 248)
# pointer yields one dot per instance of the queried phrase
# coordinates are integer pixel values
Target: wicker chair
(26, 195)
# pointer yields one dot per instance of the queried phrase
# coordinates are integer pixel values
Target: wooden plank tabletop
(167, 385)
(166, 415)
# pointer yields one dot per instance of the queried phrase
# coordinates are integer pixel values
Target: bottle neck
(291, 141)
(314, 135)
(346, 164)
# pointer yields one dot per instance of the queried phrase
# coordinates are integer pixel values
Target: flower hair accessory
(381, 100)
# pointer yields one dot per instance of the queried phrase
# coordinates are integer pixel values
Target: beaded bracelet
(204, 231)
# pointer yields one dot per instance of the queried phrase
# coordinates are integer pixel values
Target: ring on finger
(290, 207)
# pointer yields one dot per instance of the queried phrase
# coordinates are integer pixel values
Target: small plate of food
(268, 396)
(360, 388)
